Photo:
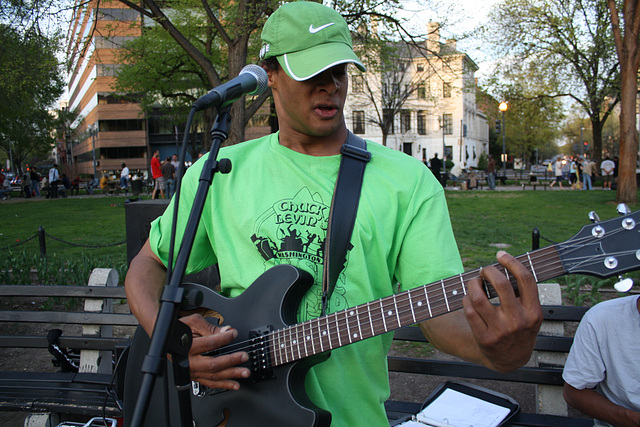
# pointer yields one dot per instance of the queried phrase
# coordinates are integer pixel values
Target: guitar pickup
(259, 355)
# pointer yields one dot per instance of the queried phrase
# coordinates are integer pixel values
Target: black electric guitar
(282, 351)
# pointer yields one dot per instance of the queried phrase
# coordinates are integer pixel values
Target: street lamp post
(444, 155)
(93, 131)
(503, 107)
(442, 124)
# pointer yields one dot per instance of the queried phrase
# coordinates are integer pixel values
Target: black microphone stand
(169, 334)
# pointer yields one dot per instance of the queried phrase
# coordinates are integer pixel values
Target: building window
(122, 152)
(105, 14)
(388, 120)
(422, 123)
(422, 91)
(358, 122)
(405, 121)
(111, 98)
(447, 120)
(121, 125)
(111, 42)
(358, 84)
(446, 90)
(420, 67)
(107, 70)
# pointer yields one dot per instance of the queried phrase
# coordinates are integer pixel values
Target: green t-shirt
(273, 209)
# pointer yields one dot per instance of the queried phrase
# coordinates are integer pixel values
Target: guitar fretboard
(393, 312)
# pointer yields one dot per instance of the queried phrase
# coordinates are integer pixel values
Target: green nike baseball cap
(307, 38)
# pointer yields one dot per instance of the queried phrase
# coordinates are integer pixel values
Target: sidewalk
(525, 187)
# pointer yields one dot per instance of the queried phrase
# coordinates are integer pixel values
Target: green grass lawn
(480, 219)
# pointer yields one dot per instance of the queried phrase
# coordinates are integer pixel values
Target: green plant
(482, 162)
(54, 269)
(414, 349)
(580, 289)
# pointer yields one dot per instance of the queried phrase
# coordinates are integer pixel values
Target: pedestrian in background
(588, 172)
(557, 167)
(491, 173)
(607, 167)
(124, 178)
(54, 180)
(168, 174)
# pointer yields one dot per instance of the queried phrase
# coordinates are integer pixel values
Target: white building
(431, 94)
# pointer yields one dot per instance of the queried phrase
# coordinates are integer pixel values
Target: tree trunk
(627, 185)
(627, 48)
(596, 129)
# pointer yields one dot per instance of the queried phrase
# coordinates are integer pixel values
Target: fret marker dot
(281, 345)
(295, 341)
(351, 313)
(419, 303)
(308, 338)
(355, 335)
(324, 332)
(455, 292)
(390, 313)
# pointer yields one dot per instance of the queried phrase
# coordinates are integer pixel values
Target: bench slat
(563, 312)
(546, 376)
(78, 343)
(543, 343)
(73, 393)
(63, 291)
(78, 318)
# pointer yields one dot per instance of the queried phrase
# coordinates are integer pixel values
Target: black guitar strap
(342, 216)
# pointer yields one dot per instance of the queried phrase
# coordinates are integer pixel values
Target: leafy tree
(531, 121)
(570, 41)
(41, 17)
(30, 84)
(577, 132)
(627, 41)
(211, 43)
(217, 39)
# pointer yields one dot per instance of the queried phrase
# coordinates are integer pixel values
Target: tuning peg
(623, 209)
(593, 217)
(624, 285)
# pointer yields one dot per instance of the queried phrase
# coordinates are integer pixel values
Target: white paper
(411, 423)
(455, 409)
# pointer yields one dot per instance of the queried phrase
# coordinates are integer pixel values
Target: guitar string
(401, 311)
(353, 322)
(437, 304)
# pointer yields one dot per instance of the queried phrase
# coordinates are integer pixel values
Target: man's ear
(272, 76)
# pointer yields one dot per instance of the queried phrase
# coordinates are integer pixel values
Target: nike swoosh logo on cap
(313, 30)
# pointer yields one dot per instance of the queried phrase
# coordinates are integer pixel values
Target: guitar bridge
(259, 358)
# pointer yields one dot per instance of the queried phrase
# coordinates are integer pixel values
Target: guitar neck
(393, 312)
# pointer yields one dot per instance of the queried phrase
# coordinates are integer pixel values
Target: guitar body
(270, 303)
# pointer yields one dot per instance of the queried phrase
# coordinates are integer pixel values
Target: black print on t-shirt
(293, 231)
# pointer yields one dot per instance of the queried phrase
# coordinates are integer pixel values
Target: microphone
(252, 80)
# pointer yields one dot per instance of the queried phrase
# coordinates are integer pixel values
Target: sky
(462, 17)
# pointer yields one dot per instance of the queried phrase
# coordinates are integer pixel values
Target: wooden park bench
(88, 351)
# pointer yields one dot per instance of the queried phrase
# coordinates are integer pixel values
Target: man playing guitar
(272, 209)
